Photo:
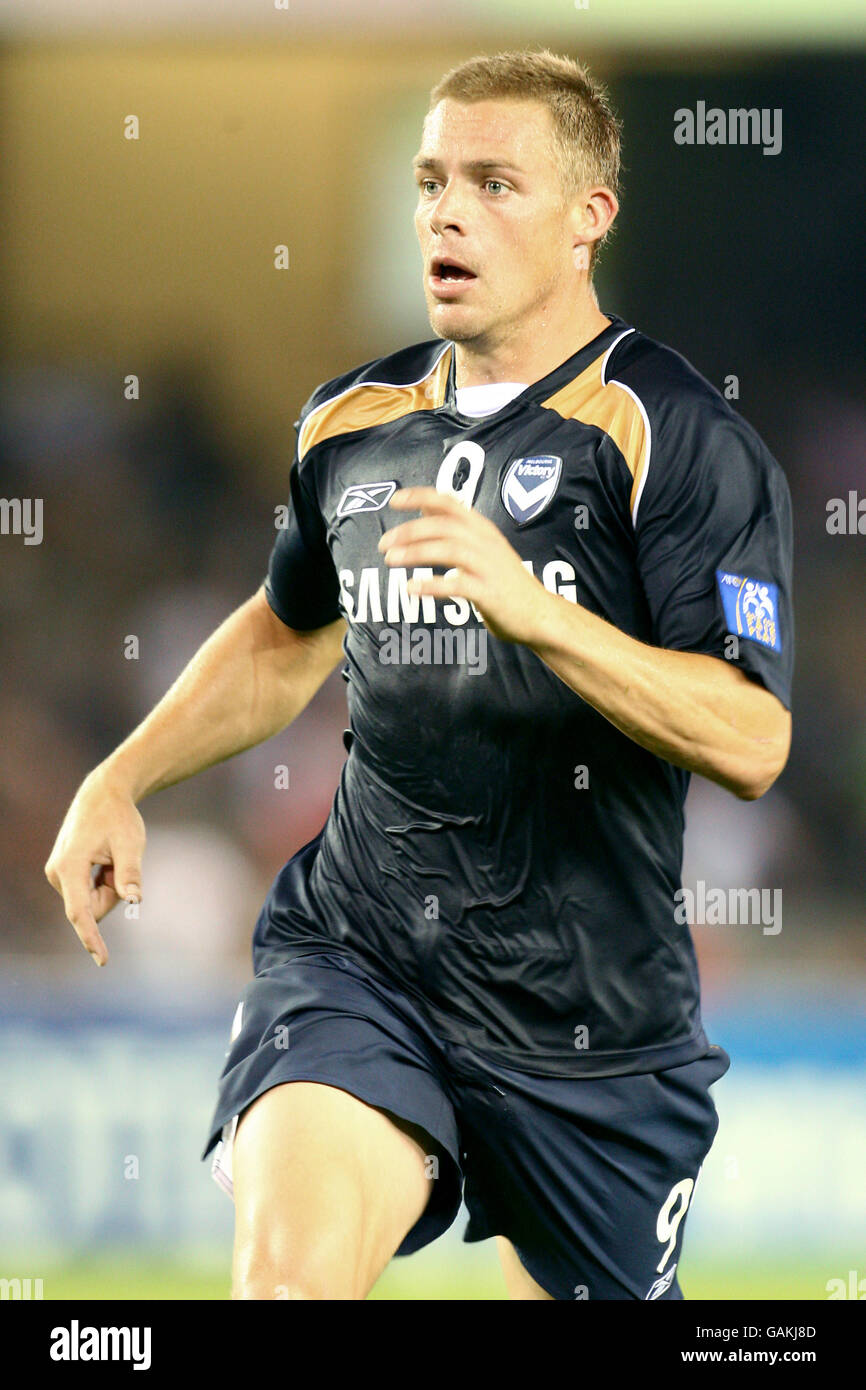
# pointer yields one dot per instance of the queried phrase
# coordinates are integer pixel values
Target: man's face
(490, 198)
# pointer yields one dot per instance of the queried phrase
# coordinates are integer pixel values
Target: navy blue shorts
(590, 1178)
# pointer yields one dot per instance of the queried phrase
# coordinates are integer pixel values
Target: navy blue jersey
(496, 847)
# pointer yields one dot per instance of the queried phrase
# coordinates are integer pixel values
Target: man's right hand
(104, 830)
(248, 681)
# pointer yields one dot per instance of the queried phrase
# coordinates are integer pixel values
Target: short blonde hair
(585, 129)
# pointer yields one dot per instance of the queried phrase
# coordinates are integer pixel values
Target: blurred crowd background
(153, 258)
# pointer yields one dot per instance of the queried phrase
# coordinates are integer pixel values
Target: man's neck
(531, 353)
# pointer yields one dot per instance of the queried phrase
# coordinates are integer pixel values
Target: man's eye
(494, 184)
(428, 185)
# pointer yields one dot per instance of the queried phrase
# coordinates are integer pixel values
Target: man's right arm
(250, 679)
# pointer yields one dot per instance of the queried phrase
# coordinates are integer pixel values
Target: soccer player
(558, 567)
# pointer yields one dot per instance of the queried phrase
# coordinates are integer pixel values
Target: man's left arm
(697, 711)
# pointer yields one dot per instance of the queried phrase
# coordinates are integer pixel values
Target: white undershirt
(484, 400)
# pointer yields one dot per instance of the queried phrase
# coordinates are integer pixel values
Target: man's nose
(450, 209)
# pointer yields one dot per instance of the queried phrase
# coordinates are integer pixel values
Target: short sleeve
(301, 584)
(714, 546)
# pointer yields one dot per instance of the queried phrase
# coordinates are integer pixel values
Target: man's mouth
(445, 271)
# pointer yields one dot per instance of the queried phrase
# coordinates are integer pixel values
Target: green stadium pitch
(426, 1276)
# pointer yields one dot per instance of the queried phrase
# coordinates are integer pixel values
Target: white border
(640, 405)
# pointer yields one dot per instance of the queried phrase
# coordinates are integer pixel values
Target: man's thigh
(326, 1188)
(518, 1281)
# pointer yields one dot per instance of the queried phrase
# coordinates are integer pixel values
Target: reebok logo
(662, 1285)
(365, 497)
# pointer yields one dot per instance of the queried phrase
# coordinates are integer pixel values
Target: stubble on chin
(456, 331)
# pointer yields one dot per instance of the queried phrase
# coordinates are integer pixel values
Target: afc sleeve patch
(751, 608)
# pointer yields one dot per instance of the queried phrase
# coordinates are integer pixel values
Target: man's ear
(593, 212)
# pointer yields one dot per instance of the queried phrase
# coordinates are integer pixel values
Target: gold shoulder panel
(374, 403)
(612, 408)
